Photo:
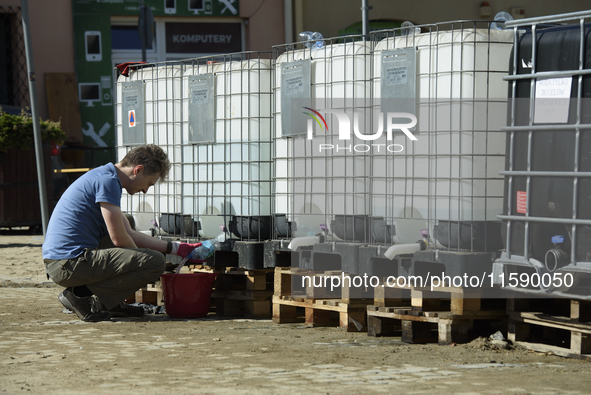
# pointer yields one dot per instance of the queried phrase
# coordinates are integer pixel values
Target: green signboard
(94, 71)
(94, 67)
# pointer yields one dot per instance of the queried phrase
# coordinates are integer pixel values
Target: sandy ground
(44, 350)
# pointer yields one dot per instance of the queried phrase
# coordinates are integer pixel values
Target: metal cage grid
(575, 222)
(214, 180)
(447, 182)
(320, 192)
(161, 100)
(228, 181)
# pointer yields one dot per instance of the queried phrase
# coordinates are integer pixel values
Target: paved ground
(43, 350)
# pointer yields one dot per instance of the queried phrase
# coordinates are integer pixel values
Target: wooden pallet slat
(318, 313)
(309, 284)
(424, 327)
(282, 282)
(150, 294)
(560, 327)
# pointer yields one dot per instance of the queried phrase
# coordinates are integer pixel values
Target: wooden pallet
(297, 301)
(447, 315)
(240, 291)
(307, 284)
(429, 326)
(421, 307)
(557, 326)
(350, 316)
(150, 294)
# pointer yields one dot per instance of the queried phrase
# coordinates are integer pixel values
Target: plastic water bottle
(204, 251)
(500, 19)
(312, 39)
(408, 28)
(207, 248)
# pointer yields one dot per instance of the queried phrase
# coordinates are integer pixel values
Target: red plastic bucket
(187, 295)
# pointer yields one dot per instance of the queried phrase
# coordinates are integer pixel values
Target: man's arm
(123, 236)
(116, 225)
(142, 240)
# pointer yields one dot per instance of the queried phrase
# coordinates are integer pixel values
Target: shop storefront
(106, 34)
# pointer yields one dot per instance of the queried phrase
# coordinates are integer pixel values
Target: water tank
(450, 76)
(148, 111)
(227, 147)
(313, 186)
(547, 184)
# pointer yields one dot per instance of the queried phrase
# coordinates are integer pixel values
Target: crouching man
(89, 214)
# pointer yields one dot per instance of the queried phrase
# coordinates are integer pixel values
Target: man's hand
(183, 249)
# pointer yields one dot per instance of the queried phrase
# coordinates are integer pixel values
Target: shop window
(126, 37)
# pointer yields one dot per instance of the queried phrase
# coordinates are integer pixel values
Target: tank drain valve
(425, 234)
(399, 249)
(556, 257)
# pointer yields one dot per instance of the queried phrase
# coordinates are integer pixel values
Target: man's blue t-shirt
(77, 222)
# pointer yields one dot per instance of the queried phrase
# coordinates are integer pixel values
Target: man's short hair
(152, 157)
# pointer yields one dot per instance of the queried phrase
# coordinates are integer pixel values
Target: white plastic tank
(312, 186)
(451, 172)
(163, 127)
(230, 176)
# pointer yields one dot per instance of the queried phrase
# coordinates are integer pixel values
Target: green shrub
(16, 131)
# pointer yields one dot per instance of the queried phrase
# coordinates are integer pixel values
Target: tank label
(201, 109)
(552, 100)
(199, 96)
(521, 202)
(395, 75)
(294, 84)
(131, 101)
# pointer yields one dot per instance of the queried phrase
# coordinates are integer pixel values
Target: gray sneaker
(81, 306)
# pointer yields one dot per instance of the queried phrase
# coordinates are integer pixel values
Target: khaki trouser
(112, 274)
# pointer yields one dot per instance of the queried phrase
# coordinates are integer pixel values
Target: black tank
(558, 49)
